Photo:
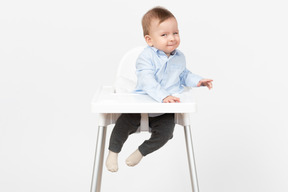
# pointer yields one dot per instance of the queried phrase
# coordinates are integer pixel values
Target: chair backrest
(126, 79)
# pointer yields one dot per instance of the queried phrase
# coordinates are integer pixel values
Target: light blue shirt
(160, 76)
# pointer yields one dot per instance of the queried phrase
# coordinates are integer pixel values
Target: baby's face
(164, 36)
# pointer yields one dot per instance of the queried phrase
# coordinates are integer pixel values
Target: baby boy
(161, 73)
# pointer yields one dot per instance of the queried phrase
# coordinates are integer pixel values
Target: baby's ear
(148, 40)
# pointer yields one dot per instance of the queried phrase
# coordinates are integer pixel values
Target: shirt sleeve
(189, 79)
(145, 71)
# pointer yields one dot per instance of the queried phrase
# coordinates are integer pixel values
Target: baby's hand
(171, 99)
(205, 82)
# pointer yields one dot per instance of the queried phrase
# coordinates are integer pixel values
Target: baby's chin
(170, 49)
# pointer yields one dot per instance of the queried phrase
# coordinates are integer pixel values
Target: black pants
(162, 130)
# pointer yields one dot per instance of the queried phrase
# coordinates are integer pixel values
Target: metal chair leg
(191, 159)
(98, 160)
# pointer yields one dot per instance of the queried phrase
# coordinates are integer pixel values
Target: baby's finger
(210, 85)
(176, 99)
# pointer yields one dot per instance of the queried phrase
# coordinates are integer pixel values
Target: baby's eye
(163, 35)
(176, 33)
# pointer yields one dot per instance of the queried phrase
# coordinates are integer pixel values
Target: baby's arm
(192, 80)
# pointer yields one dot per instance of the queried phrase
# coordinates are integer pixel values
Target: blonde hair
(159, 13)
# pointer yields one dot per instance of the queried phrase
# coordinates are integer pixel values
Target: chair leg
(191, 159)
(98, 160)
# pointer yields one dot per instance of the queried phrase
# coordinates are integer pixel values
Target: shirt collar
(158, 52)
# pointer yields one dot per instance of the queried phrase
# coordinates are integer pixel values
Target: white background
(55, 54)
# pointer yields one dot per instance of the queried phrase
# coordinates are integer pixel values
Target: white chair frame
(108, 114)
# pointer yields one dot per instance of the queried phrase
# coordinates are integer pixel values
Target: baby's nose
(172, 38)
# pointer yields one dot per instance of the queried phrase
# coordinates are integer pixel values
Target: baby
(161, 72)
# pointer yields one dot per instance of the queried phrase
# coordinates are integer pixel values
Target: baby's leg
(125, 125)
(162, 131)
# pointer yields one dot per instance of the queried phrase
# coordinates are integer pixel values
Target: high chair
(110, 101)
